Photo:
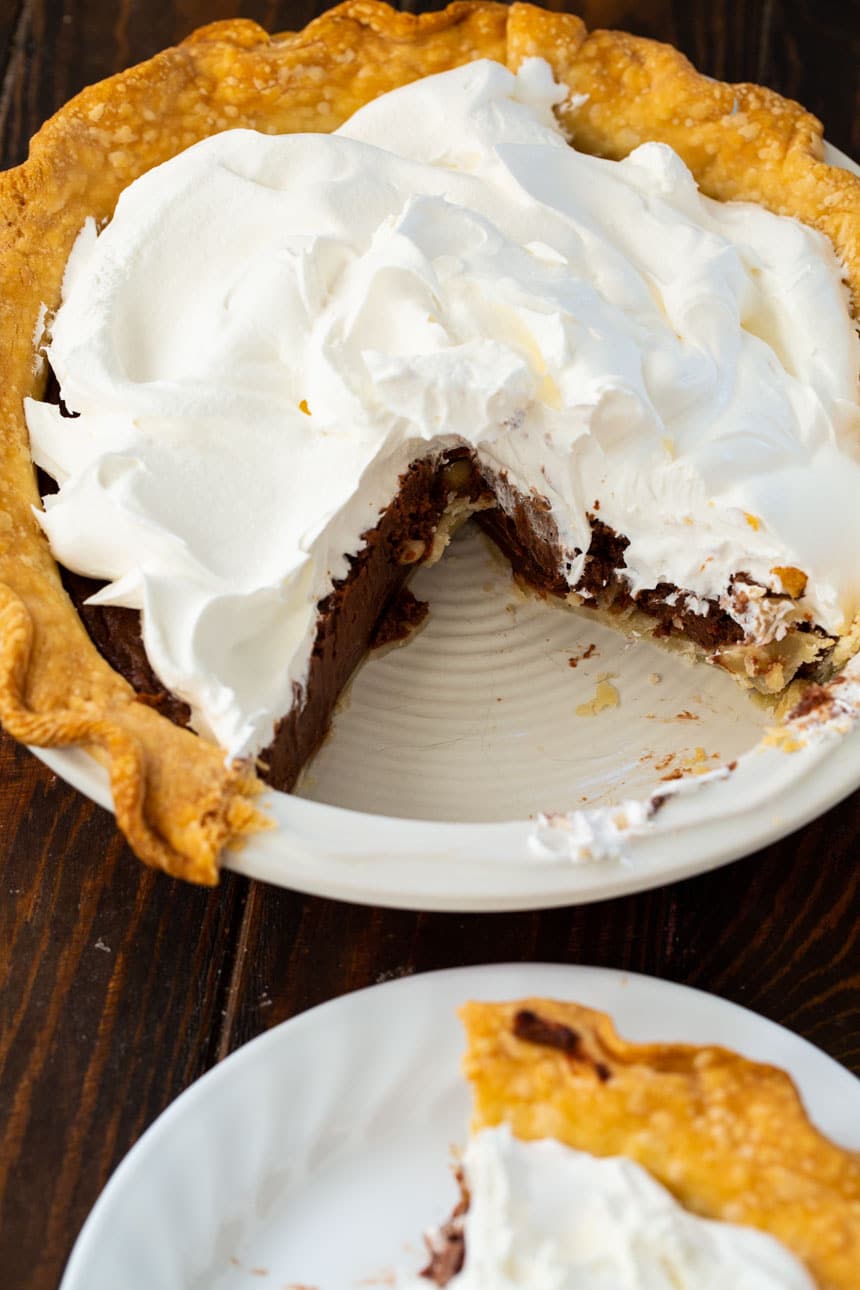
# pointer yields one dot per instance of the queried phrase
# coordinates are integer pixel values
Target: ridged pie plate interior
(443, 753)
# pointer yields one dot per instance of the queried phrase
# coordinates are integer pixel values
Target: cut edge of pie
(174, 798)
(729, 1137)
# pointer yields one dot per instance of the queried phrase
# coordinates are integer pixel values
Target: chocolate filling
(400, 620)
(446, 1247)
(370, 606)
(115, 632)
(351, 615)
(533, 1029)
(813, 697)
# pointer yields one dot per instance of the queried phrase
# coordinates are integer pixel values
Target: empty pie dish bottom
(516, 754)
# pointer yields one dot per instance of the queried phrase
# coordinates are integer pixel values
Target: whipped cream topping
(591, 833)
(271, 328)
(545, 1217)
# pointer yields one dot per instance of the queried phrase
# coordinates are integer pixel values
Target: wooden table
(120, 987)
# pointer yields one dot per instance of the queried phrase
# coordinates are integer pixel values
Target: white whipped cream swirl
(271, 328)
(545, 1217)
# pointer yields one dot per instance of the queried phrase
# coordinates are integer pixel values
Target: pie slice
(729, 1138)
(283, 369)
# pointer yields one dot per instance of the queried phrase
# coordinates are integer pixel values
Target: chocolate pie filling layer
(367, 608)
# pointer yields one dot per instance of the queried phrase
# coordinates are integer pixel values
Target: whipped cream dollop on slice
(271, 328)
(545, 1217)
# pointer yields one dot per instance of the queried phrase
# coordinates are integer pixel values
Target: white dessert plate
(445, 754)
(318, 1154)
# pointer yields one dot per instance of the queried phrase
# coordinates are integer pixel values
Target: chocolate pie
(308, 302)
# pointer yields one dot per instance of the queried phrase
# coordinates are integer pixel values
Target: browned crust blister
(175, 800)
(729, 1137)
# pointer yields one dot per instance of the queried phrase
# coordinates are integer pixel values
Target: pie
(577, 1132)
(279, 313)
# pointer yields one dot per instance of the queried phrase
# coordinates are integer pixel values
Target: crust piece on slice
(729, 1137)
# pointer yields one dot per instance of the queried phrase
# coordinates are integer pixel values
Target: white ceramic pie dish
(340, 1122)
(443, 755)
(422, 732)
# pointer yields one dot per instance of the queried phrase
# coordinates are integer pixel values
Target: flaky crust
(175, 800)
(729, 1137)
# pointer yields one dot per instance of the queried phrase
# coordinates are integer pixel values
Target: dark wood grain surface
(119, 987)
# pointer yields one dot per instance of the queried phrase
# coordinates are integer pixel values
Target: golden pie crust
(176, 802)
(729, 1137)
